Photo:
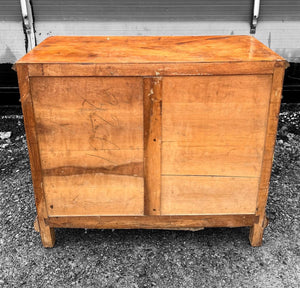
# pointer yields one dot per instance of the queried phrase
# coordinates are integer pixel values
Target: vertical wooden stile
(152, 144)
(47, 233)
(256, 231)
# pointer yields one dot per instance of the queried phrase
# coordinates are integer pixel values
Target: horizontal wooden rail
(152, 222)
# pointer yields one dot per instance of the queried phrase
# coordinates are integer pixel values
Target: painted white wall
(282, 37)
(12, 41)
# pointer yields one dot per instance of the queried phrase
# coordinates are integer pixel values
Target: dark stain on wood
(134, 169)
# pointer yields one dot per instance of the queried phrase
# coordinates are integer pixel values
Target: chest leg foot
(47, 233)
(257, 231)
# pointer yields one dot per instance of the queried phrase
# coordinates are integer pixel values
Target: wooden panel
(188, 195)
(90, 135)
(214, 125)
(88, 113)
(191, 159)
(88, 93)
(153, 222)
(92, 130)
(256, 232)
(152, 144)
(94, 194)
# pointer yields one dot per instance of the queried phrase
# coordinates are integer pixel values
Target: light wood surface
(214, 125)
(194, 159)
(87, 113)
(90, 133)
(194, 195)
(94, 194)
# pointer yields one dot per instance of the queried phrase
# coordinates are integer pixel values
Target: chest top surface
(149, 49)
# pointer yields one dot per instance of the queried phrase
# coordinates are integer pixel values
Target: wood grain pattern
(90, 134)
(88, 113)
(194, 159)
(94, 194)
(58, 129)
(88, 93)
(256, 232)
(141, 49)
(153, 222)
(194, 195)
(152, 144)
(105, 118)
(214, 125)
(47, 233)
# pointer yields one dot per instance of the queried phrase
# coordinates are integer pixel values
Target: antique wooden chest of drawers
(151, 132)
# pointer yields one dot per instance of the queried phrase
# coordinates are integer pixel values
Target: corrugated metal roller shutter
(280, 10)
(140, 17)
(137, 10)
(279, 27)
(10, 10)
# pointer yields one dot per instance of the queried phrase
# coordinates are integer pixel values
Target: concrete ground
(148, 258)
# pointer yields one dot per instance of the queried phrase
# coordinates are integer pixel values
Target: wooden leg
(47, 233)
(257, 231)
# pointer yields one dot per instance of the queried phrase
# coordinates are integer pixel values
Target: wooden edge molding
(152, 222)
(153, 69)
